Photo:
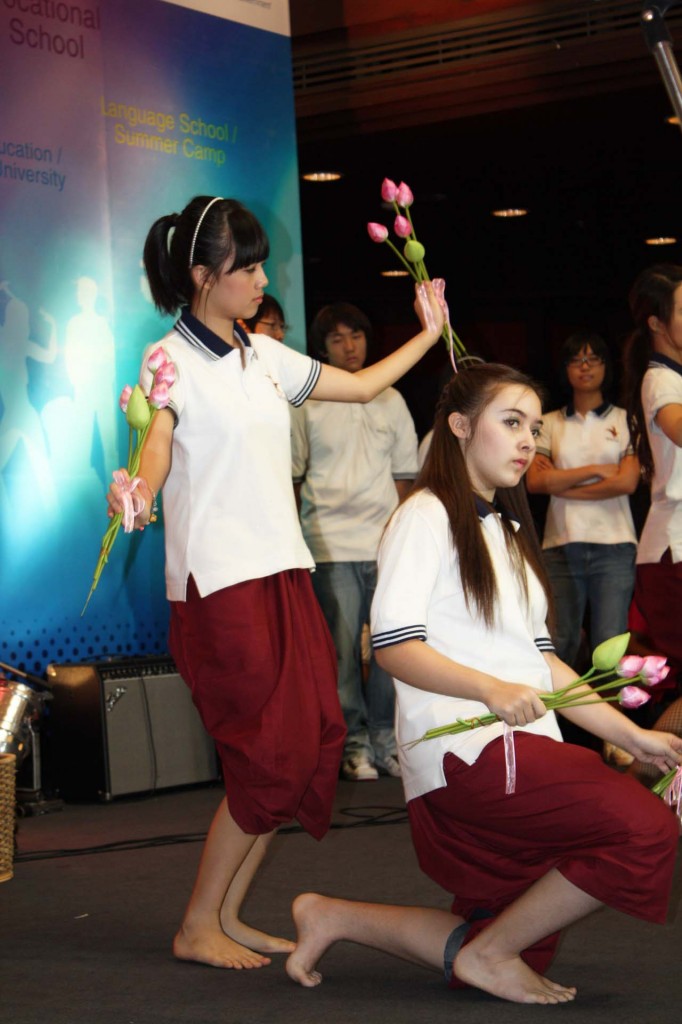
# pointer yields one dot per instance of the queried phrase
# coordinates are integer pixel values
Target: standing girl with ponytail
(653, 397)
(246, 632)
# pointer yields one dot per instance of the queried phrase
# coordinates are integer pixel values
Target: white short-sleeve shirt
(570, 440)
(348, 457)
(419, 596)
(661, 386)
(229, 508)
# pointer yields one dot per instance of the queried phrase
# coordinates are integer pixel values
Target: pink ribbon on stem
(132, 503)
(509, 759)
(438, 284)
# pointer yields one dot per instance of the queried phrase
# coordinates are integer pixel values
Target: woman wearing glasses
(585, 462)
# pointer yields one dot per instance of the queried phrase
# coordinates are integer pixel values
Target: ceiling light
(511, 211)
(321, 176)
(661, 240)
(394, 273)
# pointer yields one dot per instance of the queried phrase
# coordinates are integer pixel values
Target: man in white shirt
(351, 465)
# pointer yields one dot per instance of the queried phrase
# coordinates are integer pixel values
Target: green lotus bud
(138, 411)
(607, 654)
(414, 251)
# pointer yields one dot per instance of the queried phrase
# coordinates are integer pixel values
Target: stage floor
(99, 889)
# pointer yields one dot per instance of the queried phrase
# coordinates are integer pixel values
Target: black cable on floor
(365, 819)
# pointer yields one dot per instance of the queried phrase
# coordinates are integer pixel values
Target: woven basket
(7, 815)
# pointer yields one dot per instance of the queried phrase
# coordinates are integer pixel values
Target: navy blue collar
(601, 410)
(666, 361)
(485, 508)
(202, 336)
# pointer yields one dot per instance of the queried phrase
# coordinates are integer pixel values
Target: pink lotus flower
(402, 227)
(404, 195)
(125, 397)
(652, 666)
(629, 666)
(413, 253)
(632, 697)
(156, 359)
(389, 190)
(659, 677)
(377, 232)
(165, 375)
(159, 396)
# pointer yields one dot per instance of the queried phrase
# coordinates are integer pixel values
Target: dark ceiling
(598, 175)
(598, 168)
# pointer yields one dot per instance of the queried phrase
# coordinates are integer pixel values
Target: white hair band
(208, 206)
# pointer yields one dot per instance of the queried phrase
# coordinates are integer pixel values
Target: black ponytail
(227, 231)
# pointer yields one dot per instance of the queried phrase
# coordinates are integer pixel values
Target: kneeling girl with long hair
(459, 620)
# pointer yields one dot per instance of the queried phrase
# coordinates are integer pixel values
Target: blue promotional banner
(114, 114)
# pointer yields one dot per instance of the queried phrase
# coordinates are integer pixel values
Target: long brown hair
(445, 474)
(652, 294)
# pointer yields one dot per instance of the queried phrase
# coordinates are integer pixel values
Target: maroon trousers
(261, 666)
(605, 832)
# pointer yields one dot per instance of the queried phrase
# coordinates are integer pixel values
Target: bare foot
(510, 979)
(254, 939)
(314, 938)
(216, 949)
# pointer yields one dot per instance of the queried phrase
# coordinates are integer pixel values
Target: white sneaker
(389, 766)
(358, 768)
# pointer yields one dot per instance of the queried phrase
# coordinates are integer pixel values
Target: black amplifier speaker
(122, 726)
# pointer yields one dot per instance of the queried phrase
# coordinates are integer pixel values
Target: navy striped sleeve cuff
(543, 643)
(313, 377)
(398, 636)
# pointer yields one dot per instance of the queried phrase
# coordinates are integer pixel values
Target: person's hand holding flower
(131, 501)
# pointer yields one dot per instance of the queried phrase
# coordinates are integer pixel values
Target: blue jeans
(345, 591)
(599, 575)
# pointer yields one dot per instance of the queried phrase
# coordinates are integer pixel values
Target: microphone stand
(660, 44)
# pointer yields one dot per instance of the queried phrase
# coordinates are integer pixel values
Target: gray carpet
(86, 937)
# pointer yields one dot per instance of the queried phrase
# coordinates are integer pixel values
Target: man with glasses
(268, 320)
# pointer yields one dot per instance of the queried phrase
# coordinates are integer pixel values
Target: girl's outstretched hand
(429, 310)
(514, 703)
(664, 749)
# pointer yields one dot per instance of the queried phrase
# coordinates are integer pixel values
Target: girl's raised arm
(337, 385)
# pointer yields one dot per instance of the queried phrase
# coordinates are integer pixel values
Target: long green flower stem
(660, 787)
(419, 273)
(554, 701)
(134, 456)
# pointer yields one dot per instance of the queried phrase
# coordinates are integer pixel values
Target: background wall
(115, 113)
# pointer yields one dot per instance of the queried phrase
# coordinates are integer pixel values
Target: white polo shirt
(229, 508)
(419, 596)
(661, 386)
(348, 456)
(571, 440)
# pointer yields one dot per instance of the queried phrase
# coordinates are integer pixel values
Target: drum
(18, 704)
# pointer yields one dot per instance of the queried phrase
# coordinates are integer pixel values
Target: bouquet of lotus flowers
(139, 412)
(412, 256)
(610, 667)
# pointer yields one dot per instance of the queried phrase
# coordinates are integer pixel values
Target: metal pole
(659, 42)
